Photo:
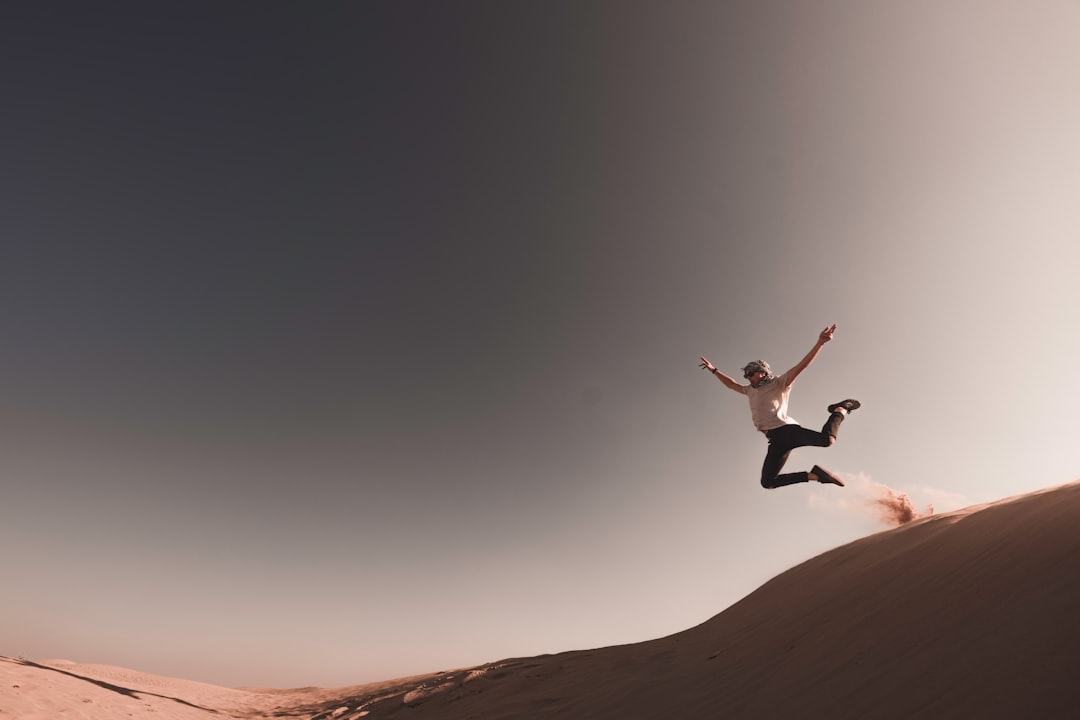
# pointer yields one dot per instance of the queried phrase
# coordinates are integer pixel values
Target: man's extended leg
(837, 413)
(832, 426)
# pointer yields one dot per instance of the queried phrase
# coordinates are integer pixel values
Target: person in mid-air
(768, 395)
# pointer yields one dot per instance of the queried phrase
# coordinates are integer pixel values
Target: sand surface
(974, 613)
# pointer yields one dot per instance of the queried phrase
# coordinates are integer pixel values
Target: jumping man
(768, 396)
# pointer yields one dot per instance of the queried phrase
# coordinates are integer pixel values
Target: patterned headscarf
(758, 366)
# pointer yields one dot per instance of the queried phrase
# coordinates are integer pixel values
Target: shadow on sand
(128, 692)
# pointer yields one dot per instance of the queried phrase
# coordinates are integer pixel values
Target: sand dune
(48, 690)
(974, 613)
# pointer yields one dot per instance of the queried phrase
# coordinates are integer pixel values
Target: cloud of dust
(862, 495)
(895, 508)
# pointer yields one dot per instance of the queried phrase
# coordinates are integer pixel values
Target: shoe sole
(825, 477)
(848, 405)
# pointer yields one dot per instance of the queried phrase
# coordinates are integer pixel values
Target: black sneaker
(848, 405)
(825, 477)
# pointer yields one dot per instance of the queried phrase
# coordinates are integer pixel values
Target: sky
(347, 341)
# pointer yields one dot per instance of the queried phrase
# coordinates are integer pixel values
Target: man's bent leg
(786, 479)
(782, 441)
(774, 463)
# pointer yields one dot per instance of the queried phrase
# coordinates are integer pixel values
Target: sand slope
(52, 689)
(969, 614)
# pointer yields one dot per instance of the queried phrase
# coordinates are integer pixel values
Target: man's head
(757, 371)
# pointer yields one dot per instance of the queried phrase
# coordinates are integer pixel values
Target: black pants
(784, 439)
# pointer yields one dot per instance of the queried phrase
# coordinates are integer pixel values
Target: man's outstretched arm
(729, 382)
(824, 337)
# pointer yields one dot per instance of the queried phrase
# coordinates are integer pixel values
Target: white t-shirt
(769, 404)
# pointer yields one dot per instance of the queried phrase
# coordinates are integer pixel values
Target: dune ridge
(972, 613)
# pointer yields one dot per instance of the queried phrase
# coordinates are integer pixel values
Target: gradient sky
(345, 341)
